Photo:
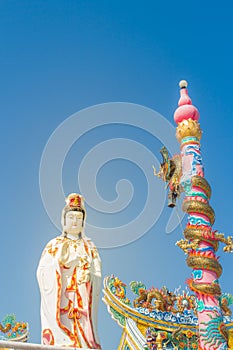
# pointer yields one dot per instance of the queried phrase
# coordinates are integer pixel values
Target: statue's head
(73, 214)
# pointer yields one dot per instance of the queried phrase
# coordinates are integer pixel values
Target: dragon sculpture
(161, 300)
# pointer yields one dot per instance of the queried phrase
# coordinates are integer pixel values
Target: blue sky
(59, 57)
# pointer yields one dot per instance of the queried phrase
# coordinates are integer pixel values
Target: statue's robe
(69, 277)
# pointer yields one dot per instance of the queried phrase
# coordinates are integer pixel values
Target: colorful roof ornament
(156, 317)
(12, 330)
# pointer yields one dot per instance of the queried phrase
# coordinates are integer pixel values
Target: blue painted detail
(211, 332)
(197, 274)
(187, 317)
(194, 152)
(202, 307)
(197, 194)
(205, 249)
(197, 221)
(189, 138)
(187, 186)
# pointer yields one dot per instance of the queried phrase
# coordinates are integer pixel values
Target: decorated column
(201, 242)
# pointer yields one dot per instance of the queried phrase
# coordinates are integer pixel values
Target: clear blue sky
(58, 57)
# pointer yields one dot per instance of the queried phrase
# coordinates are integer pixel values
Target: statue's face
(74, 222)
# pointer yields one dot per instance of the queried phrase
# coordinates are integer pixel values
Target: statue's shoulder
(93, 248)
(54, 243)
(89, 241)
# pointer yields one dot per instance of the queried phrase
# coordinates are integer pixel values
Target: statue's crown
(76, 201)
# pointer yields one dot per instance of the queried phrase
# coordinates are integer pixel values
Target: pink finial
(184, 97)
(185, 110)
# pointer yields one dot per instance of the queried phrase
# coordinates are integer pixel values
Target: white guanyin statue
(69, 277)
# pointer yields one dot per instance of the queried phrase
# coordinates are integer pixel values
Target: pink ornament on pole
(185, 110)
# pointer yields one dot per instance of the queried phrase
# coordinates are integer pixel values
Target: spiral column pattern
(201, 242)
